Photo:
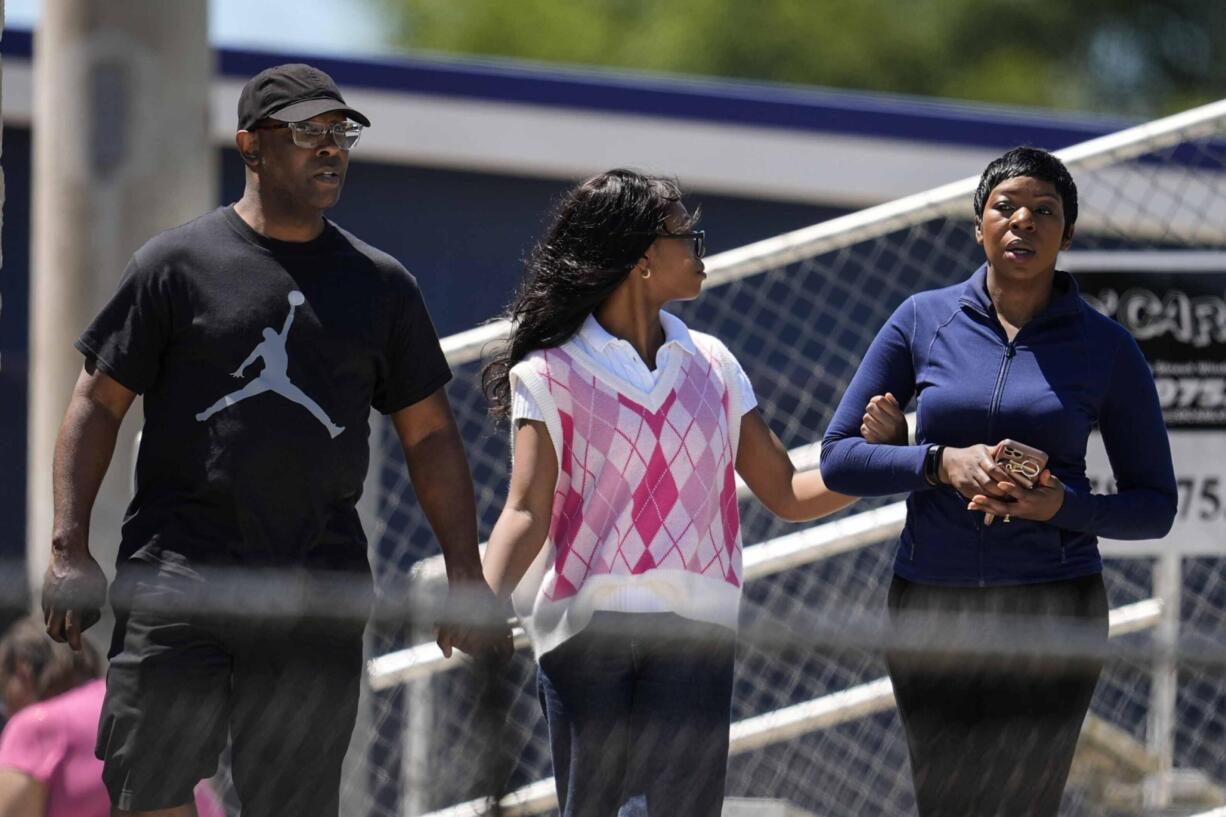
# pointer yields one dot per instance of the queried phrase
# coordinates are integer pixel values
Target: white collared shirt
(619, 359)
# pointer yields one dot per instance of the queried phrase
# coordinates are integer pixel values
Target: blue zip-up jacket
(1066, 371)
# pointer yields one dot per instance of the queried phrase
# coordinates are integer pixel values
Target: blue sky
(332, 26)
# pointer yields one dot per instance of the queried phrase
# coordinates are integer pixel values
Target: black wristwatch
(932, 464)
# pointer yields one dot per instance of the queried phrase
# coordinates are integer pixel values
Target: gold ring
(1008, 519)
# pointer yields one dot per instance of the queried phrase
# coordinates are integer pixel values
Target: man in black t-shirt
(260, 335)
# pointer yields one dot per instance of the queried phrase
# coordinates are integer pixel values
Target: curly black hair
(600, 230)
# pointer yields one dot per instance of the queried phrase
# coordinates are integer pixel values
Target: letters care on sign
(1174, 304)
(1179, 320)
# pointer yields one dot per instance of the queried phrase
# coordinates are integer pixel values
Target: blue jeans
(638, 707)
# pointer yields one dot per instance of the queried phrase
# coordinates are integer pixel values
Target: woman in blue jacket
(1011, 353)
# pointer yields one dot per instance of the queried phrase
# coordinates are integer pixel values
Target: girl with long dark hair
(620, 536)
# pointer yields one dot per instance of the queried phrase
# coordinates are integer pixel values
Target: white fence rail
(837, 233)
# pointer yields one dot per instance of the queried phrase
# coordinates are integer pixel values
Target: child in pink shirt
(51, 745)
(53, 698)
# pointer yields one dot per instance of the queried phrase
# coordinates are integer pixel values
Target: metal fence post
(1160, 726)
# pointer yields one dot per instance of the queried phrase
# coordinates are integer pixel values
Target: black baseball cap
(291, 93)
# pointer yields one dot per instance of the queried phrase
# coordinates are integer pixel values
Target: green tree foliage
(1119, 56)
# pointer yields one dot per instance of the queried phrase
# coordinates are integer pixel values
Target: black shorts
(179, 683)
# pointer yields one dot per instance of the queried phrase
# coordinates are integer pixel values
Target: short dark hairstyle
(1037, 164)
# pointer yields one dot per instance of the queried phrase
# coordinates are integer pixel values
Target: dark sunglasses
(699, 238)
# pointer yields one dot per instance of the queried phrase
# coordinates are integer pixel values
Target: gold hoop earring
(646, 273)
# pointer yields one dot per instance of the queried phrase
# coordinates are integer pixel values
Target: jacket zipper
(1000, 385)
(996, 395)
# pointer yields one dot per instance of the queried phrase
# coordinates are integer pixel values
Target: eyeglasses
(306, 135)
(699, 237)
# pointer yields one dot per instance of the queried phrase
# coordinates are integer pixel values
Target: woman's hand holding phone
(971, 471)
(1029, 489)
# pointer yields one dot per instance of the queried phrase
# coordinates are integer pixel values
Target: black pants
(992, 733)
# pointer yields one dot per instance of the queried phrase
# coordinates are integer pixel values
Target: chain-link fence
(814, 721)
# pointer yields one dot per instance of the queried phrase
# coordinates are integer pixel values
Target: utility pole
(121, 152)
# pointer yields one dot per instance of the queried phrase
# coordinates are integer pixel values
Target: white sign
(1200, 472)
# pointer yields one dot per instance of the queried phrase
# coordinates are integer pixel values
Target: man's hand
(472, 619)
(1039, 503)
(972, 471)
(74, 591)
(883, 422)
(473, 622)
(74, 588)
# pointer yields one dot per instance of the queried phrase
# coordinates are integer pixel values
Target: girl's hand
(884, 423)
(1039, 503)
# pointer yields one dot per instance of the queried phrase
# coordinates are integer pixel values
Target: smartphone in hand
(1023, 463)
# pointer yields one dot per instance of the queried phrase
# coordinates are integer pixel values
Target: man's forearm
(83, 452)
(443, 483)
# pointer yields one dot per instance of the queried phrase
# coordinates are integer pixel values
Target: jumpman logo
(275, 376)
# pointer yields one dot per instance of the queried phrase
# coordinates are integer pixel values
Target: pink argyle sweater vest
(645, 515)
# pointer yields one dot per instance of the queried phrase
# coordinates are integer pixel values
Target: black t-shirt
(259, 361)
